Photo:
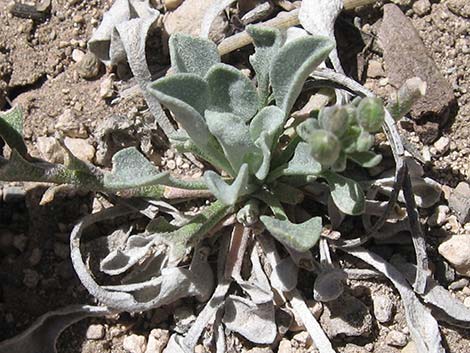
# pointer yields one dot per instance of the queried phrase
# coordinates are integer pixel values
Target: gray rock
(456, 250)
(69, 124)
(95, 332)
(383, 308)
(396, 339)
(406, 56)
(375, 69)
(459, 284)
(50, 149)
(459, 7)
(422, 7)
(459, 202)
(346, 316)
(80, 148)
(89, 66)
(35, 256)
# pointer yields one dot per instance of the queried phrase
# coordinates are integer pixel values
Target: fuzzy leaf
(192, 55)
(270, 120)
(186, 95)
(302, 163)
(231, 92)
(265, 129)
(267, 43)
(11, 130)
(300, 237)
(131, 169)
(232, 134)
(366, 159)
(228, 194)
(292, 65)
(346, 193)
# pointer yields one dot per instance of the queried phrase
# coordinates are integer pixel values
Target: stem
(283, 21)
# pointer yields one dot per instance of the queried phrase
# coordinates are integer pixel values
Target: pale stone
(95, 332)
(456, 250)
(134, 344)
(157, 341)
(80, 148)
(50, 149)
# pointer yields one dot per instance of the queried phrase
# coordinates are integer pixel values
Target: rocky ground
(45, 68)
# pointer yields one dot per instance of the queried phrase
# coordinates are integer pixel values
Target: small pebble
(396, 339)
(383, 308)
(422, 7)
(456, 250)
(285, 346)
(439, 217)
(35, 256)
(77, 55)
(89, 67)
(19, 242)
(134, 344)
(375, 69)
(157, 340)
(459, 284)
(31, 278)
(95, 332)
(466, 302)
(442, 145)
(107, 87)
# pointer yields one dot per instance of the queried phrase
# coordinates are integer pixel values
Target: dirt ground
(38, 72)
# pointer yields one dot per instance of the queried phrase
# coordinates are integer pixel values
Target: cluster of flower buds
(339, 131)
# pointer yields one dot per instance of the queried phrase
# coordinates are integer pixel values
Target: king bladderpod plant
(267, 176)
(236, 126)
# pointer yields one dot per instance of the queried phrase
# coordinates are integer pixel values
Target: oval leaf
(131, 169)
(346, 194)
(292, 65)
(230, 91)
(300, 237)
(192, 55)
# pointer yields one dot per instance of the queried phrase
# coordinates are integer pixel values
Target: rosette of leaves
(261, 181)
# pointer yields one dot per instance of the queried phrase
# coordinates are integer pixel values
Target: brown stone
(427, 131)
(406, 56)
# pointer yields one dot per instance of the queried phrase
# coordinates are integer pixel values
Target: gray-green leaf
(292, 65)
(302, 163)
(230, 91)
(131, 169)
(232, 134)
(301, 237)
(11, 129)
(346, 193)
(228, 194)
(192, 55)
(267, 43)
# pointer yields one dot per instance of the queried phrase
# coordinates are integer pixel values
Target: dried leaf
(254, 322)
(42, 335)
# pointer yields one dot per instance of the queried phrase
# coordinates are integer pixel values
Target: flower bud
(334, 119)
(371, 114)
(325, 147)
(306, 128)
